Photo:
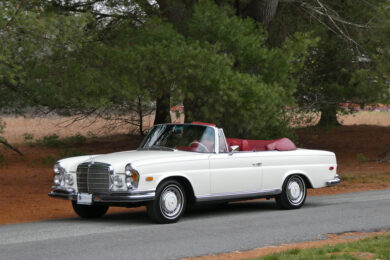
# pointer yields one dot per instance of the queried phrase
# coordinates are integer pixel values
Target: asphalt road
(207, 230)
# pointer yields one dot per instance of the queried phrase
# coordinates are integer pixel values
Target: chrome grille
(93, 178)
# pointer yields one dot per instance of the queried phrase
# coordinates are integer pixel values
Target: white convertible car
(181, 164)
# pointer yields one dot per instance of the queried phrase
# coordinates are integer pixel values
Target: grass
(365, 178)
(377, 247)
(362, 158)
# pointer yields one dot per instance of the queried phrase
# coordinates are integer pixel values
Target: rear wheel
(169, 203)
(89, 211)
(293, 195)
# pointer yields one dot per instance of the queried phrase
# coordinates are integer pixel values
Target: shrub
(361, 157)
(76, 139)
(71, 153)
(50, 141)
(50, 160)
(28, 139)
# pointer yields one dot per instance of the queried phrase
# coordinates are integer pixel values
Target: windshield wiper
(157, 147)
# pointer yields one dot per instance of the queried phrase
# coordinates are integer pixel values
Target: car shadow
(139, 216)
(231, 208)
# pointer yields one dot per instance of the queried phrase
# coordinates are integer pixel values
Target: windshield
(192, 138)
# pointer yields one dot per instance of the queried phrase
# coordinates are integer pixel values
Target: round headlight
(128, 182)
(57, 180)
(128, 170)
(132, 176)
(69, 179)
(57, 168)
(118, 181)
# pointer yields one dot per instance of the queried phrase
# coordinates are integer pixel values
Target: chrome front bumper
(130, 197)
(333, 182)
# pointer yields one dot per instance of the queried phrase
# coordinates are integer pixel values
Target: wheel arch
(302, 174)
(188, 189)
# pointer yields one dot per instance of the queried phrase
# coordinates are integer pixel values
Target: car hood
(119, 160)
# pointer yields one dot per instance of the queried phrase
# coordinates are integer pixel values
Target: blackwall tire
(169, 204)
(294, 193)
(89, 211)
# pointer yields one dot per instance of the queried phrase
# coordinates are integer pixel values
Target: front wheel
(169, 204)
(89, 211)
(293, 195)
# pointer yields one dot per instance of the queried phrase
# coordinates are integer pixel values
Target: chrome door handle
(257, 164)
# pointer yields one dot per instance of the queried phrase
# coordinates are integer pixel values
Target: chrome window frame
(220, 130)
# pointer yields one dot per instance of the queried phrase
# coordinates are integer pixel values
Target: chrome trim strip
(238, 195)
(135, 196)
(125, 198)
(136, 192)
(62, 188)
(333, 182)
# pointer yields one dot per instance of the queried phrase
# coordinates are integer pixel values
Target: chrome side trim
(238, 195)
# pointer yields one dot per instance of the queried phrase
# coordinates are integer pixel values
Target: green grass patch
(362, 158)
(377, 247)
(365, 178)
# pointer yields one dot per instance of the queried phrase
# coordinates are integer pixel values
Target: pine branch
(6, 144)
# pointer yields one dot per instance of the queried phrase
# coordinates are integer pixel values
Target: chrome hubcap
(171, 202)
(296, 190)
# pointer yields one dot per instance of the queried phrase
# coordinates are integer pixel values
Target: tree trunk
(175, 11)
(189, 110)
(163, 108)
(261, 10)
(329, 116)
(140, 116)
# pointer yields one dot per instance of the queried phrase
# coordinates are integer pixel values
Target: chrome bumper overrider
(334, 182)
(132, 196)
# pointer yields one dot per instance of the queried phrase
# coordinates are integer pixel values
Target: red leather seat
(282, 144)
(201, 123)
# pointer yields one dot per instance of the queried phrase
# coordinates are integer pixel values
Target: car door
(239, 172)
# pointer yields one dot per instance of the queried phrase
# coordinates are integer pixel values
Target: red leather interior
(282, 144)
(201, 123)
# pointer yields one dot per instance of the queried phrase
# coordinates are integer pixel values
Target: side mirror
(234, 148)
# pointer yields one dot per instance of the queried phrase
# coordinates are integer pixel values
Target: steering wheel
(200, 144)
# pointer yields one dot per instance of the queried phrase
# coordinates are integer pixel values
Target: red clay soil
(26, 181)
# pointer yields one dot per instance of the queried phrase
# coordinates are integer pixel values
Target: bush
(55, 141)
(50, 160)
(50, 141)
(28, 139)
(361, 157)
(71, 153)
(76, 139)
